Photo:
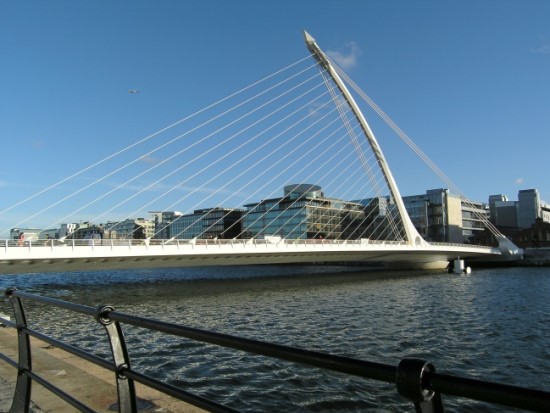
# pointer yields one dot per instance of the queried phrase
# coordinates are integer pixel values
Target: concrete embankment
(536, 257)
(88, 383)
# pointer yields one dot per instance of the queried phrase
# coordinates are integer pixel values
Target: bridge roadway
(87, 255)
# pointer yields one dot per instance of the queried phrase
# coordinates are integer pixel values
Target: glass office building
(302, 213)
(210, 223)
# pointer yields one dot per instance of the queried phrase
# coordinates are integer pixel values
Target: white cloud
(149, 159)
(545, 49)
(348, 58)
(519, 181)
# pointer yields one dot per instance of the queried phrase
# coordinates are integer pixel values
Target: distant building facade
(440, 216)
(209, 223)
(28, 234)
(380, 214)
(520, 214)
(162, 221)
(303, 212)
(437, 215)
(67, 229)
(137, 228)
(474, 216)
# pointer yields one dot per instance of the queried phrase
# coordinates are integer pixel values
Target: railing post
(125, 387)
(411, 380)
(22, 397)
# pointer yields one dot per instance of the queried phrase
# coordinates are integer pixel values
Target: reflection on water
(492, 324)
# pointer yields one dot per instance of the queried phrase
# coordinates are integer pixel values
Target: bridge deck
(78, 255)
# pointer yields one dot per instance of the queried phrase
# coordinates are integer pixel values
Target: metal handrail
(415, 379)
(111, 242)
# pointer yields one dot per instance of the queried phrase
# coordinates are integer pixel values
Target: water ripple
(492, 325)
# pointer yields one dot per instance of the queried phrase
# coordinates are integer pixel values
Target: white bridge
(75, 255)
(397, 244)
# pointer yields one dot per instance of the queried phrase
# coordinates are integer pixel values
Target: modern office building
(440, 216)
(87, 230)
(437, 215)
(381, 220)
(209, 223)
(520, 214)
(303, 212)
(503, 212)
(531, 207)
(29, 234)
(528, 207)
(162, 222)
(67, 229)
(137, 228)
(474, 216)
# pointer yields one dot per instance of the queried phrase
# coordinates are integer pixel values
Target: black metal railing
(415, 379)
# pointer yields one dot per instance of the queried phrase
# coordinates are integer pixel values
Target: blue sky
(468, 81)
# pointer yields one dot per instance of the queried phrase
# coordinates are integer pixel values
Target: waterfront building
(503, 213)
(379, 214)
(163, 222)
(29, 234)
(536, 236)
(531, 207)
(67, 229)
(136, 228)
(440, 216)
(51, 233)
(474, 216)
(209, 223)
(303, 212)
(437, 215)
(87, 230)
(520, 214)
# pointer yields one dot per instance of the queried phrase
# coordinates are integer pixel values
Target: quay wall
(536, 257)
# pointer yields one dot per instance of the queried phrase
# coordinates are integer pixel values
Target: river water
(493, 324)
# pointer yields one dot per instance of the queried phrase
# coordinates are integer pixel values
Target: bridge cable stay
(135, 144)
(310, 136)
(292, 165)
(336, 171)
(242, 173)
(339, 104)
(277, 217)
(82, 189)
(353, 139)
(180, 199)
(191, 161)
(412, 235)
(421, 154)
(189, 225)
(227, 171)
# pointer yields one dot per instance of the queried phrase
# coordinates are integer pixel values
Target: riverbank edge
(536, 257)
(90, 384)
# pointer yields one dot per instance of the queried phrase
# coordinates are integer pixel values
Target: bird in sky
(133, 91)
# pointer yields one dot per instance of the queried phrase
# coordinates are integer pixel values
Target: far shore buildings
(520, 214)
(525, 221)
(440, 216)
(209, 223)
(305, 212)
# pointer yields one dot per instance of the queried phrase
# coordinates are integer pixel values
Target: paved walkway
(85, 381)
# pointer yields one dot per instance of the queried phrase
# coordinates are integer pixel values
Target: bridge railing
(416, 380)
(54, 243)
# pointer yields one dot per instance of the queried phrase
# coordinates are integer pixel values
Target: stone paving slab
(90, 384)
